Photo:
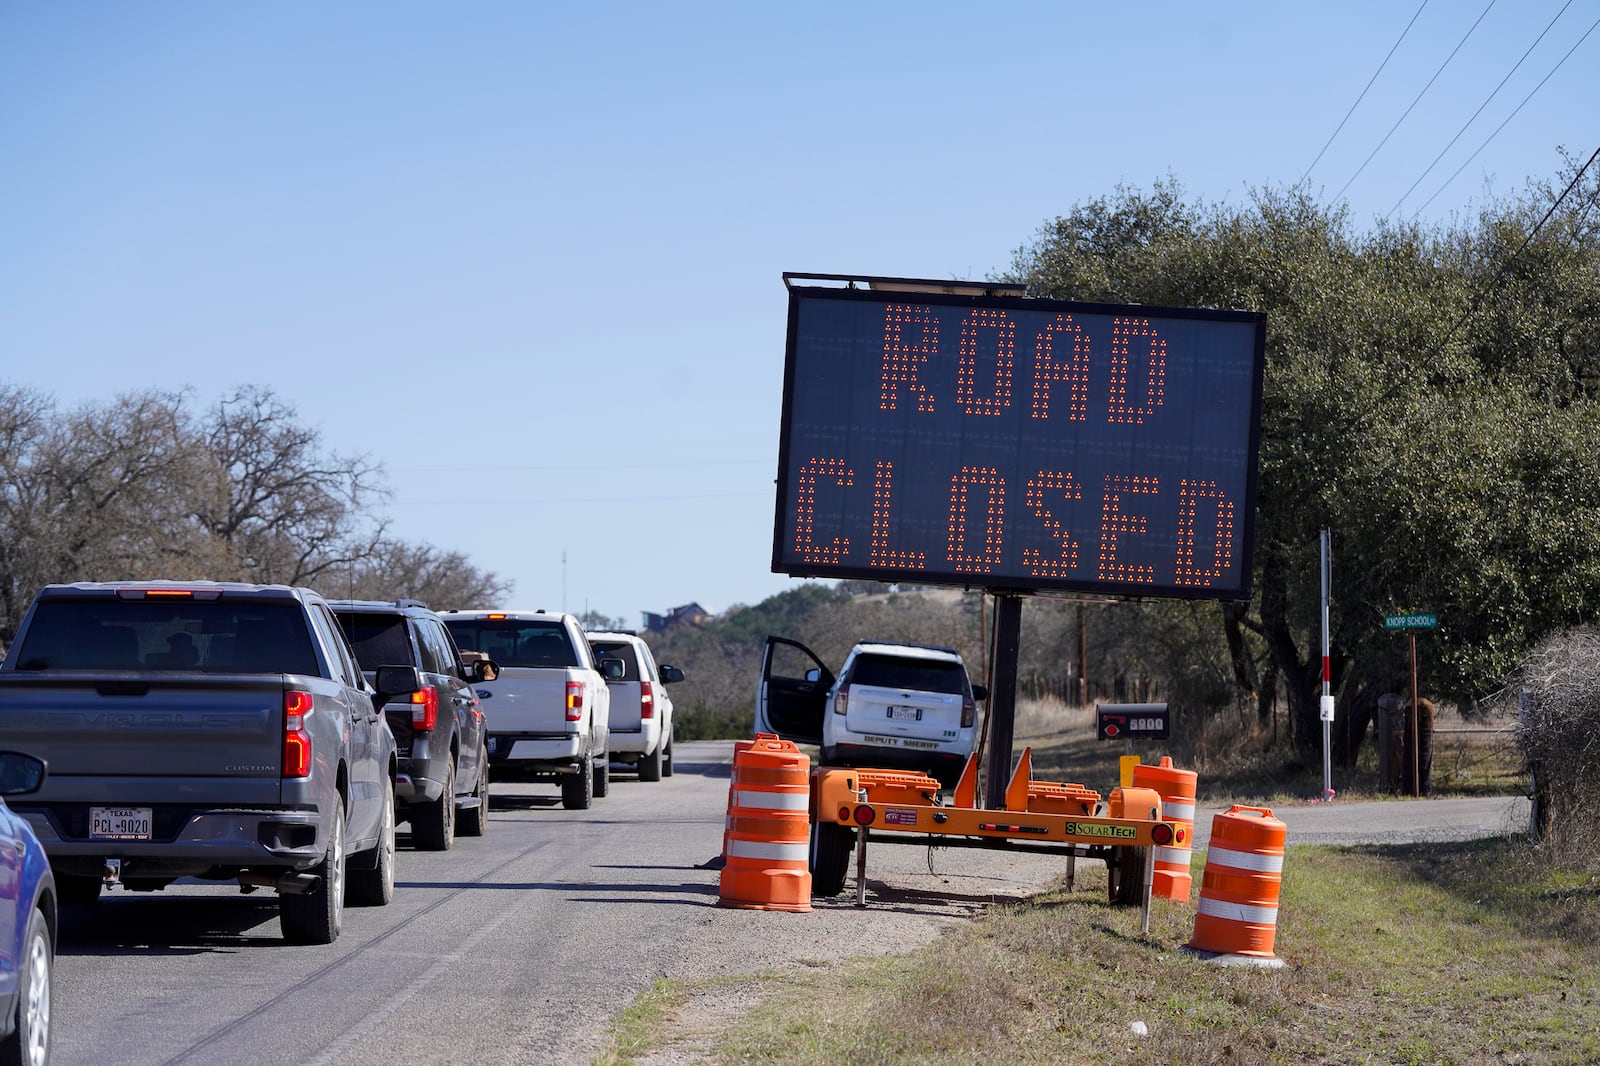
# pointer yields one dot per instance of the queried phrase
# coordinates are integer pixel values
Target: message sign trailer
(1007, 443)
(962, 434)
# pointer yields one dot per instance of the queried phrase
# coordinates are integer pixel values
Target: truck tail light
(296, 741)
(841, 699)
(647, 700)
(424, 708)
(969, 712)
(574, 700)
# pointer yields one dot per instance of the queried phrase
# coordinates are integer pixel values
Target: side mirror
(669, 674)
(485, 670)
(20, 773)
(980, 693)
(392, 681)
(813, 675)
(613, 669)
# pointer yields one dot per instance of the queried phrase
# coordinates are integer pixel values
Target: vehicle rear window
(922, 675)
(619, 649)
(211, 636)
(378, 639)
(514, 642)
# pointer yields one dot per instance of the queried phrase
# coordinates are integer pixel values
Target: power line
(1414, 103)
(1478, 112)
(1370, 80)
(1512, 258)
(1502, 125)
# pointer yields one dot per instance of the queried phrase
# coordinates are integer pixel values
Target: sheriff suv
(892, 705)
(443, 783)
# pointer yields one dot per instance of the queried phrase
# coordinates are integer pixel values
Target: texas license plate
(119, 823)
(905, 714)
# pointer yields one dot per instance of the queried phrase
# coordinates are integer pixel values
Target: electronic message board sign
(1016, 444)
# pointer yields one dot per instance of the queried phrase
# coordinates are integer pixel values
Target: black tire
(666, 760)
(433, 825)
(316, 917)
(602, 776)
(1125, 876)
(78, 888)
(577, 790)
(375, 887)
(831, 847)
(29, 1042)
(475, 820)
(650, 765)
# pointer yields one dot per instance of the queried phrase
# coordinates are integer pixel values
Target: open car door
(793, 695)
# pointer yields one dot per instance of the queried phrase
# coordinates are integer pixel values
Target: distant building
(691, 613)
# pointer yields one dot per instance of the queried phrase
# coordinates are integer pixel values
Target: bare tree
(287, 512)
(96, 494)
(395, 569)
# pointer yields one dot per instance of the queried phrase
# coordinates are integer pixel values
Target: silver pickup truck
(205, 730)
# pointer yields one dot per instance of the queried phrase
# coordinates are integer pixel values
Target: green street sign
(1410, 621)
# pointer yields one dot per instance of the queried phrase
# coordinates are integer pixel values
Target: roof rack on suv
(910, 644)
(407, 602)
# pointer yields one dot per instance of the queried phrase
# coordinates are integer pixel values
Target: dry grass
(1465, 954)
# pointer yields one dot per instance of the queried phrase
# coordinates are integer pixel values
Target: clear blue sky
(529, 256)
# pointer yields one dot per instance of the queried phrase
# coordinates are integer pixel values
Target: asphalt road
(519, 947)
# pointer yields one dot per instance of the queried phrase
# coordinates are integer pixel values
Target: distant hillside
(1134, 649)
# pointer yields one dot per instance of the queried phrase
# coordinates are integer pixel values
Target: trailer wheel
(1125, 876)
(831, 847)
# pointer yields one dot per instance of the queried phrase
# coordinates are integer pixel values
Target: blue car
(27, 922)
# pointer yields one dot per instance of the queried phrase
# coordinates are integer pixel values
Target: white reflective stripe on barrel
(1180, 855)
(1237, 912)
(1245, 860)
(768, 849)
(1177, 810)
(771, 801)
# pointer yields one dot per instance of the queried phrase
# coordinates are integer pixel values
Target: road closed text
(1013, 443)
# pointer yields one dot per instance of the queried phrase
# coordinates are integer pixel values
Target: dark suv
(443, 784)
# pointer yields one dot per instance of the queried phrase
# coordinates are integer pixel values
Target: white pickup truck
(548, 710)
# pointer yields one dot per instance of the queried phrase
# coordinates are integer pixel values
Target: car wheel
(602, 775)
(577, 789)
(1125, 876)
(316, 917)
(650, 765)
(666, 758)
(433, 825)
(475, 820)
(831, 847)
(29, 1042)
(375, 887)
(78, 888)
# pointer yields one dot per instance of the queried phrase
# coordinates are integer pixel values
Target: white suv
(898, 706)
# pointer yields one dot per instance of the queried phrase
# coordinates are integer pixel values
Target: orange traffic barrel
(727, 819)
(769, 829)
(1177, 791)
(1237, 916)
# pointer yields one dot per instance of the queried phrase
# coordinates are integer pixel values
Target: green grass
(1448, 953)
